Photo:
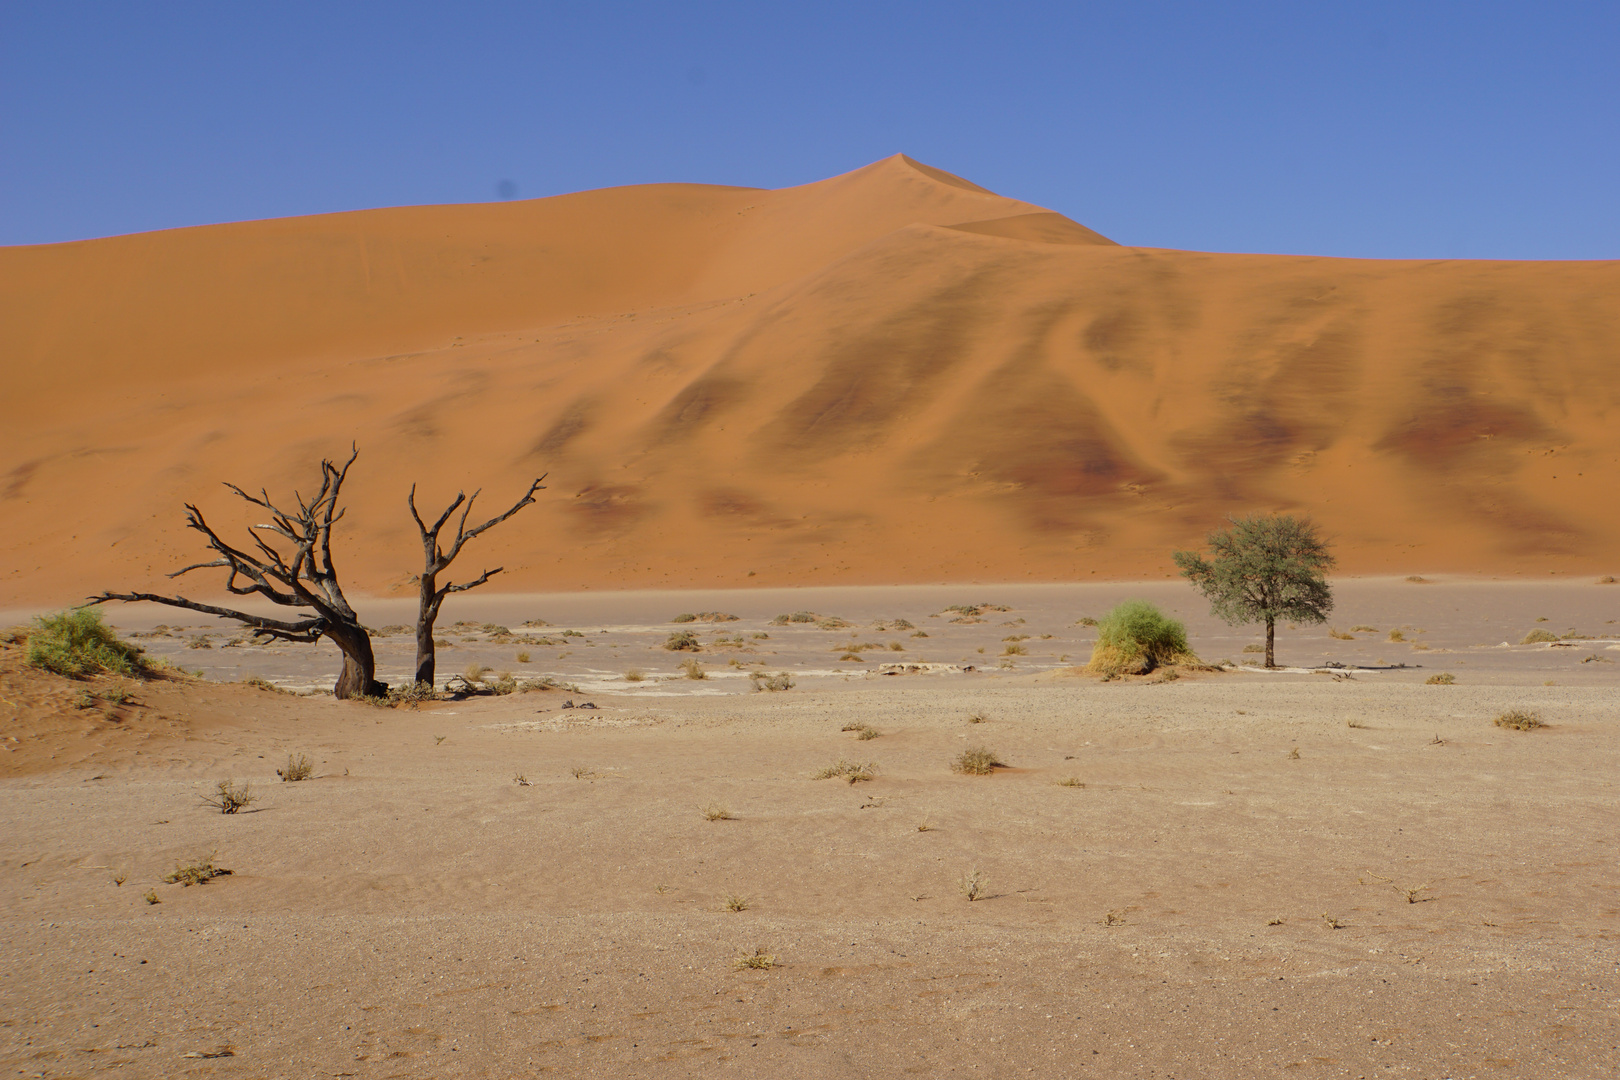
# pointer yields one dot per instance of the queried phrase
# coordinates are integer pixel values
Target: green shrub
(1136, 637)
(77, 643)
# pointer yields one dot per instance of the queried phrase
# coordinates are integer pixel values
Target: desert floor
(501, 886)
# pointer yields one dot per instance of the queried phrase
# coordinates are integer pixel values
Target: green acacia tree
(1265, 567)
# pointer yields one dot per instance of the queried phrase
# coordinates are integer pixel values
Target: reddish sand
(890, 376)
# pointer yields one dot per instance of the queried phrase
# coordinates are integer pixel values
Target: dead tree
(435, 560)
(302, 578)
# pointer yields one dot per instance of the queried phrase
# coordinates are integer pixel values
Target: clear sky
(1475, 129)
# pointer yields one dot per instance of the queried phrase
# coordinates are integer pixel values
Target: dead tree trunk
(435, 560)
(302, 578)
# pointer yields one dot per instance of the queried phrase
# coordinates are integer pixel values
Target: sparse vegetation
(1416, 579)
(634, 675)
(1445, 678)
(523, 658)
(1331, 922)
(1114, 918)
(474, 672)
(1339, 635)
(151, 897)
(1135, 638)
(977, 718)
(1520, 720)
(1396, 635)
(196, 872)
(260, 683)
(77, 643)
(299, 768)
(758, 960)
(972, 884)
(1071, 781)
(919, 633)
(976, 761)
(772, 683)
(683, 641)
(1364, 629)
(410, 693)
(717, 812)
(736, 903)
(854, 772)
(1354, 723)
(1293, 755)
(1014, 649)
(693, 670)
(1537, 637)
(229, 799)
(199, 641)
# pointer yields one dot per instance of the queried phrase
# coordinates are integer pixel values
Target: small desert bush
(852, 771)
(475, 673)
(1445, 678)
(1086, 620)
(258, 682)
(523, 658)
(546, 682)
(684, 617)
(504, 683)
(736, 903)
(972, 884)
(1014, 649)
(717, 812)
(1538, 636)
(228, 798)
(1135, 637)
(773, 683)
(975, 761)
(919, 633)
(693, 669)
(299, 768)
(199, 641)
(1364, 629)
(409, 693)
(1396, 635)
(634, 675)
(196, 872)
(393, 630)
(682, 641)
(1071, 781)
(1520, 720)
(1254, 648)
(1339, 635)
(77, 643)
(759, 960)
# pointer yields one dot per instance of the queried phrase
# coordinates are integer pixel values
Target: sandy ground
(809, 386)
(415, 910)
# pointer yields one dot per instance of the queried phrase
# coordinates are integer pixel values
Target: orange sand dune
(890, 376)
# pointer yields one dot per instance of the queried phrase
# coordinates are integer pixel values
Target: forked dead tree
(436, 560)
(302, 577)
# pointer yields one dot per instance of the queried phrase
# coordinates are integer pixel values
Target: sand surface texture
(1224, 875)
(814, 385)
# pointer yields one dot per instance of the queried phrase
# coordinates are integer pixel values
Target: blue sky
(1424, 130)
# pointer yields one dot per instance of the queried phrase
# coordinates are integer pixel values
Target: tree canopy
(1264, 567)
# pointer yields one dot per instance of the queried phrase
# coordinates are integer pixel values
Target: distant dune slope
(890, 376)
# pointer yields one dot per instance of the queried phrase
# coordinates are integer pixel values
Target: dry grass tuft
(853, 771)
(737, 903)
(228, 798)
(1071, 781)
(260, 683)
(976, 761)
(1354, 723)
(977, 718)
(299, 768)
(1331, 922)
(474, 673)
(972, 884)
(759, 960)
(1445, 678)
(1336, 633)
(771, 683)
(1364, 629)
(693, 670)
(1520, 720)
(196, 872)
(682, 641)
(1537, 637)
(1396, 635)
(717, 812)
(634, 675)
(1293, 755)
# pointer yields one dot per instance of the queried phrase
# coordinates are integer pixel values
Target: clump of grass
(1445, 678)
(1275, 920)
(523, 658)
(520, 780)
(976, 761)
(772, 683)
(683, 641)
(717, 812)
(1071, 781)
(475, 672)
(852, 771)
(77, 643)
(299, 768)
(258, 682)
(199, 641)
(410, 693)
(1014, 649)
(504, 683)
(1354, 723)
(1293, 755)
(546, 682)
(1396, 635)
(196, 872)
(229, 799)
(972, 884)
(919, 633)
(693, 670)
(151, 897)
(635, 675)
(895, 646)
(1254, 648)
(736, 903)
(1416, 579)
(1364, 629)
(758, 960)
(867, 733)
(1337, 634)
(1114, 918)
(1537, 637)
(582, 772)
(684, 617)
(1414, 895)
(1520, 720)
(393, 630)
(1331, 922)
